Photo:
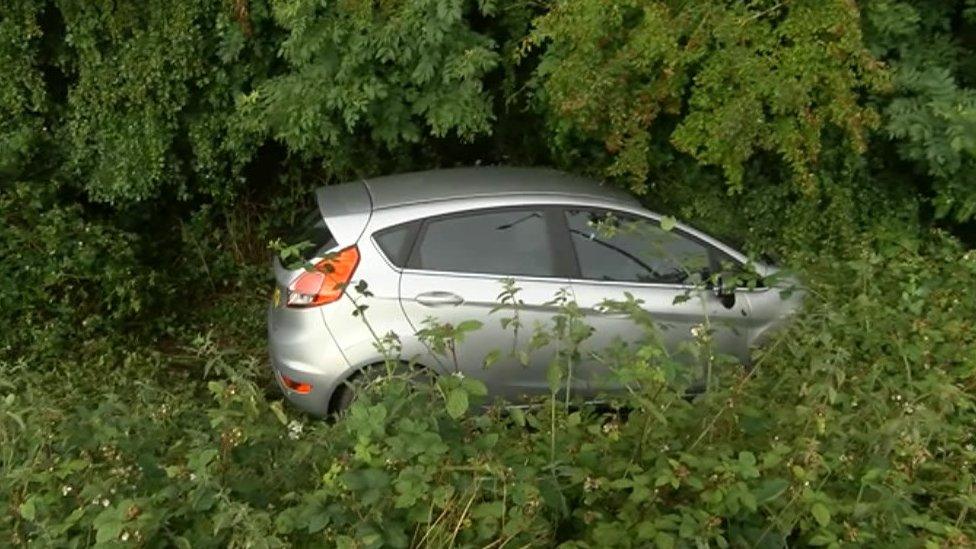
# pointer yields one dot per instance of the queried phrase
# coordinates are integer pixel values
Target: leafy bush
(396, 72)
(744, 78)
(63, 277)
(933, 108)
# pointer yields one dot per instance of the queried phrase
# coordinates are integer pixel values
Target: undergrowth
(853, 426)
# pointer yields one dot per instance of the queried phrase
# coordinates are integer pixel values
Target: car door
(619, 253)
(455, 273)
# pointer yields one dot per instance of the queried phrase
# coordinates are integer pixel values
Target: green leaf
(770, 490)
(518, 416)
(468, 326)
(457, 403)
(821, 513)
(491, 358)
(70, 521)
(493, 509)
(554, 375)
(663, 540)
(27, 509)
(278, 412)
(574, 419)
(109, 522)
(646, 530)
(820, 540)
(474, 386)
(668, 222)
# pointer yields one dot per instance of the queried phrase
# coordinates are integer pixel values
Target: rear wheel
(349, 390)
(342, 399)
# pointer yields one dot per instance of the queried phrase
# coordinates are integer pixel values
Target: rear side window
(397, 241)
(311, 236)
(504, 242)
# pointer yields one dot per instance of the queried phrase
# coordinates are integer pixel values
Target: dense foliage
(149, 152)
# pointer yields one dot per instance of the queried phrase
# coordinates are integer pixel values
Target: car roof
(454, 184)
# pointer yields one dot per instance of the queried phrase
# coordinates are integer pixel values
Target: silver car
(437, 246)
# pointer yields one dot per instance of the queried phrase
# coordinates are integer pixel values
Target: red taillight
(297, 386)
(326, 281)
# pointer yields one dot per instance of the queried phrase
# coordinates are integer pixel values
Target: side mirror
(725, 294)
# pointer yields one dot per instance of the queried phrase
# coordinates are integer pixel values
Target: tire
(342, 399)
(346, 393)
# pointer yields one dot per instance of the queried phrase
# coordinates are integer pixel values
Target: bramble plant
(786, 452)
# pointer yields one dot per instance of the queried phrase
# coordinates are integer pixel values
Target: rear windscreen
(311, 236)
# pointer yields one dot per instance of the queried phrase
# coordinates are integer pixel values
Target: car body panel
(506, 376)
(674, 322)
(460, 185)
(302, 347)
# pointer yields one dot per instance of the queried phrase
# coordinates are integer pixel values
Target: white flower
(124, 536)
(105, 502)
(65, 490)
(295, 429)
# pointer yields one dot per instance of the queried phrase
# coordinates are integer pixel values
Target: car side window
(505, 242)
(396, 241)
(625, 248)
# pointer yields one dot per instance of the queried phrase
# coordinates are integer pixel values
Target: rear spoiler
(346, 209)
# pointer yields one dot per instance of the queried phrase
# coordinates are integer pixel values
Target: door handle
(438, 299)
(603, 313)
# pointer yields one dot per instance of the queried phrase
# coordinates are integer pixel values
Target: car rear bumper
(302, 348)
